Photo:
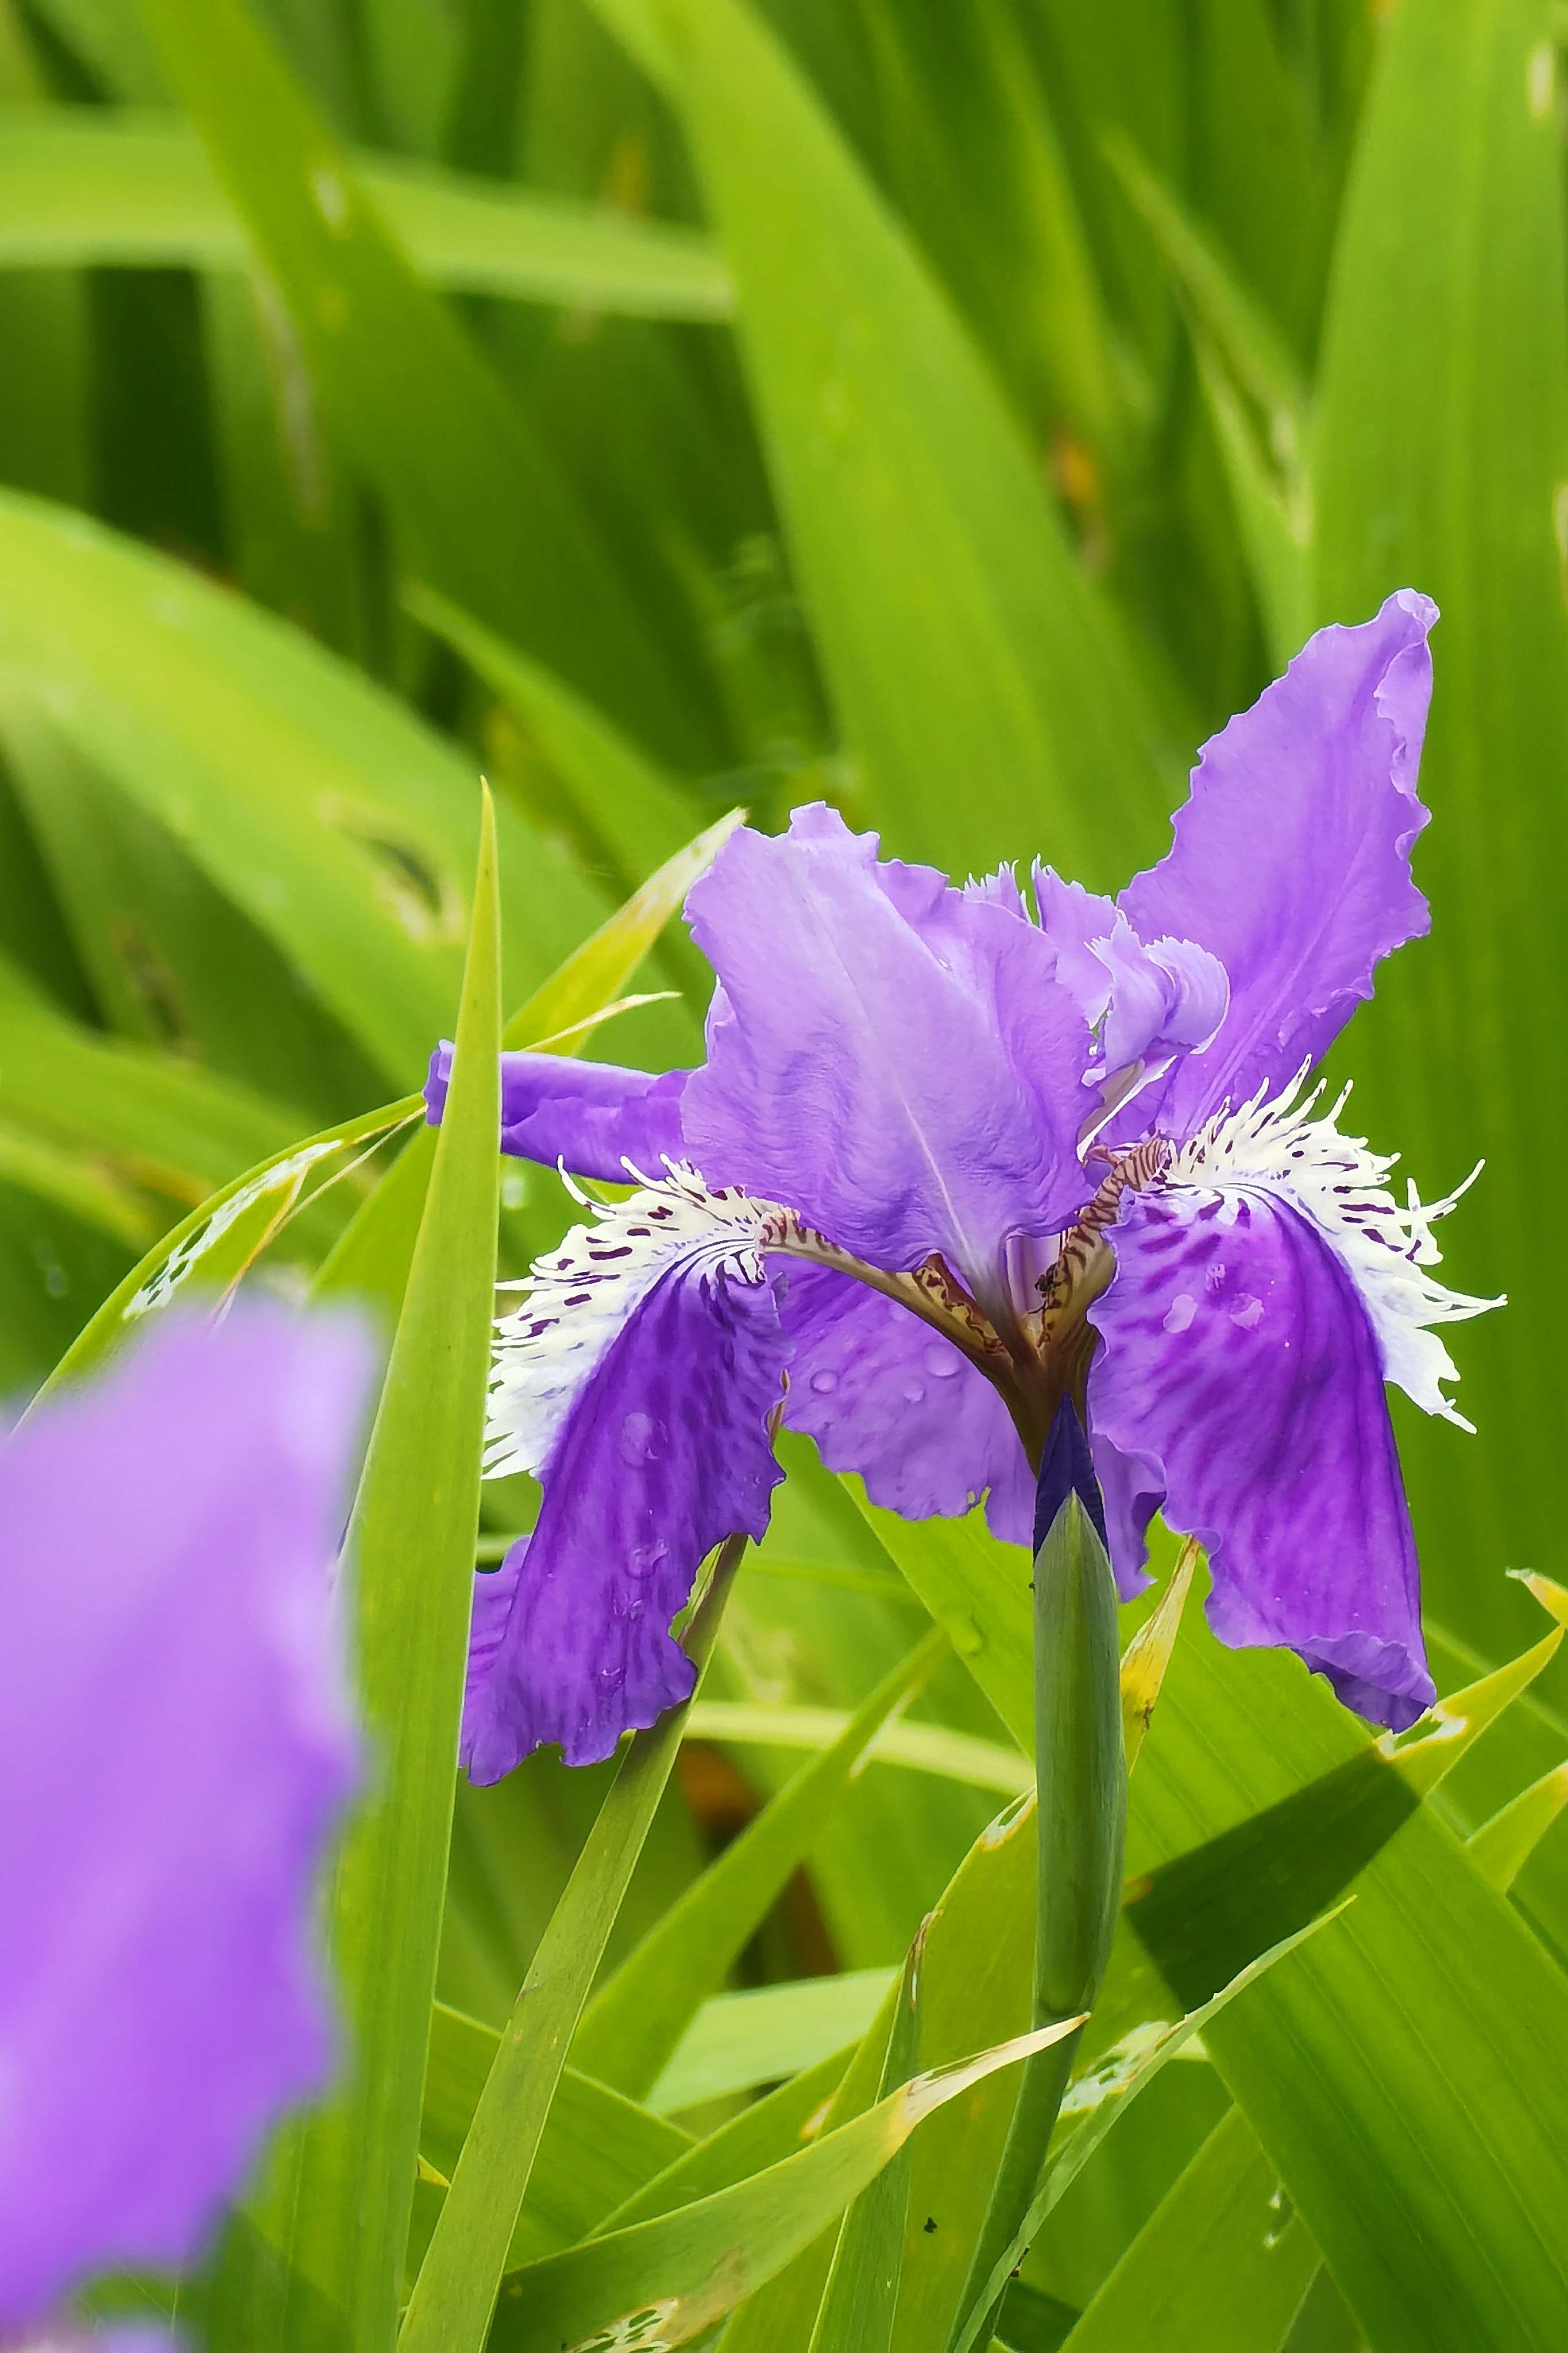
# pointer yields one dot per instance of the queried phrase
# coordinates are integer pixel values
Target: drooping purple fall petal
(1240, 1361)
(893, 1058)
(636, 1380)
(1291, 858)
(592, 1117)
(887, 1398)
(175, 1744)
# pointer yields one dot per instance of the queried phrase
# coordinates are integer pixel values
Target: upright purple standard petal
(1239, 1363)
(637, 1380)
(590, 1116)
(174, 1746)
(1291, 858)
(887, 1398)
(893, 1058)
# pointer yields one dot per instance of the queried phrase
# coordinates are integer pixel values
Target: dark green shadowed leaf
(487, 517)
(331, 2216)
(1407, 2071)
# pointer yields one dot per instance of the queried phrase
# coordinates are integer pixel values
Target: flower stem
(1081, 1774)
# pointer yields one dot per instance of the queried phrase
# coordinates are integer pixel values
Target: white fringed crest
(1274, 1145)
(577, 1298)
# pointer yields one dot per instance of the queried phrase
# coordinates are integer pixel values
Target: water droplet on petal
(914, 1391)
(641, 1440)
(941, 1360)
(1246, 1312)
(1181, 1312)
(645, 1558)
(824, 1382)
(612, 1677)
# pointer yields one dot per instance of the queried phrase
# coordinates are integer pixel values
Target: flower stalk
(1082, 1819)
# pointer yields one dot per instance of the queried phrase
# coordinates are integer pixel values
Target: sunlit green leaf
(83, 189)
(323, 2261)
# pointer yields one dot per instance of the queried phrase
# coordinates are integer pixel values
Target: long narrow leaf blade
(335, 2207)
(88, 188)
(454, 2295)
(636, 2017)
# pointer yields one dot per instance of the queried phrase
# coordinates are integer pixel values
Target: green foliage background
(667, 405)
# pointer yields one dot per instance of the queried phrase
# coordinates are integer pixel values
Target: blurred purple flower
(962, 1154)
(176, 1744)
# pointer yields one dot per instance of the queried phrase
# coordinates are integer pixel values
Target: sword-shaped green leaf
(319, 2263)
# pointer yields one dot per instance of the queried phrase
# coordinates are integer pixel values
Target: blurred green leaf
(161, 1124)
(626, 813)
(89, 188)
(158, 1275)
(582, 989)
(977, 676)
(338, 824)
(636, 2017)
(1441, 460)
(333, 2210)
(486, 516)
(922, 1748)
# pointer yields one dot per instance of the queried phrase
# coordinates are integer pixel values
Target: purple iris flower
(176, 1746)
(957, 1154)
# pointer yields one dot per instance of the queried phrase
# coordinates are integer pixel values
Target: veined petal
(889, 1398)
(1147, 1002)
(638, 1378)
(590, 1117)
(1075, 920)
(1291, 858)
(1275, 1145)
(1239, 1364)
(895, 1058)
(175, 1744)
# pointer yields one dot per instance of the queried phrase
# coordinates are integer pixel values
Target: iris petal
(887, 1398)
(638, 1378)
(1239, 1365)
(1291, 858)
(174, 1746)
(896, 1058)
(590, 1117)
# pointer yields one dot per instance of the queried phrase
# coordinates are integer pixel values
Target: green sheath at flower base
(1081, 1772)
